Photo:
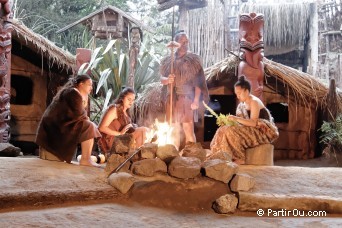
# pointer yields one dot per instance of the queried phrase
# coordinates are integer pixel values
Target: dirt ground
(125, 211)
(128, 214)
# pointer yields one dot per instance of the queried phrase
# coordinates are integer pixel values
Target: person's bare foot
(88, 162)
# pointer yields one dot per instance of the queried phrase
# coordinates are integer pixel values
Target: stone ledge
(254, 201)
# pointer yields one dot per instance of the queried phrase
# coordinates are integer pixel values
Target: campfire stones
(146, 167)
(121, 181)
(194, 150)
(225, 204)
(167, 152)
(160, 166)
(185, 167)
(242, 182)
(220, 170)
(123, 143)
(220, 155)
(149, 150)
(114, 161)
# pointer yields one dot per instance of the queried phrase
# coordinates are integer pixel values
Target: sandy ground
(135, 215)
(59, 195)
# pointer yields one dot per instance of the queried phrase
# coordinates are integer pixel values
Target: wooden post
(183, 18)
(313, 41)
(5, 70)
(135, 33)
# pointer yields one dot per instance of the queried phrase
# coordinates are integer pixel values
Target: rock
(194, 150)
(149, 150)
(220, 170)
(220, 155)
(225, 204)
(121, 181)
(260, 155)
(144, 167)
(114, 161)
(8, 150)
(135, 157)
(167, 153)
(123, 144)
(242, 182)
(46, 155)
(160, 166)
(184, 167)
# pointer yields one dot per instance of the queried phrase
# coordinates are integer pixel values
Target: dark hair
(72, 83)
(123, 94)
(243, 83)
(179, 34)
(80, 78)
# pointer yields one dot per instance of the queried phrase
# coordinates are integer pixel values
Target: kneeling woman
(117, 121)
(65, 123)
(255, 126)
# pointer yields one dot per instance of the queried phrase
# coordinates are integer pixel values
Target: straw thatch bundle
(62, 58)
(206, 29)
(293, 84)
(149, 105)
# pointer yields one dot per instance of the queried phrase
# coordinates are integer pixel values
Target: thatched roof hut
(297, 102)
(54, 56)
(38, 68)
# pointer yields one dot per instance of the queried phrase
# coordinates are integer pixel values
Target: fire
(163, 131)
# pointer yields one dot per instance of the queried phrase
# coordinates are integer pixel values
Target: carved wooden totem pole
(5, 69)
(252, 51)
(136, 38)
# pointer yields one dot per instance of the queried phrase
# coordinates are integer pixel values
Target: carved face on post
(251, 31)
(252, 50)
(5, 8)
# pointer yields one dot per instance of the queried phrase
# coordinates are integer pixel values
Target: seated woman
(65, 123)
(255, 126)
(117, 121)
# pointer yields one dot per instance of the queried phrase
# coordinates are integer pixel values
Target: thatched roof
(39, 44)
(289, 82)
(125, 15)
(286, 24)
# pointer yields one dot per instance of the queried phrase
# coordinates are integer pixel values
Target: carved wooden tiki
(5, 69)
(136, 38)
(252, 51)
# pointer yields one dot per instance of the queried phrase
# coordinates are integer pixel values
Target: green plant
(332, 136)
(110, 69)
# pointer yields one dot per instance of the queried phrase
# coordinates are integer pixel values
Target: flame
(164, 133)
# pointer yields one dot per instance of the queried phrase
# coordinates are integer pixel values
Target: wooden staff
(172, 45)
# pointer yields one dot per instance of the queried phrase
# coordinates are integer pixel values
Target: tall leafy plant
(332, 136)
(110, 69)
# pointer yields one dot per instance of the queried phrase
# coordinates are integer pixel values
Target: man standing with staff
(183, 73)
